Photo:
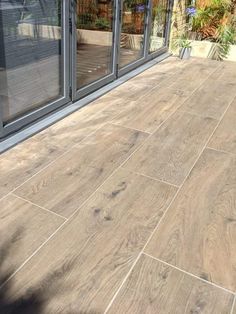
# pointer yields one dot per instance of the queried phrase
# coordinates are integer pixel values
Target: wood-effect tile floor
(129, 204)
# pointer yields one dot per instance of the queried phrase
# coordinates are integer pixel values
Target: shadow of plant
(34, 300)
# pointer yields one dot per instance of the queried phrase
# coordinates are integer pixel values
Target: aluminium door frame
(77, 94)
(38, 113)
(165, 48)
(131, 66)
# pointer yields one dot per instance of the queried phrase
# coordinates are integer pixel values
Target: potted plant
(184, 46)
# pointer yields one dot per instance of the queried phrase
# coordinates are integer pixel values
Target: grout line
(129, 128)
(91, 195)
(49, 164)
(190, 274)
(180, 187)
(233, 305)
(175, 196)
(123, 282)
(39, 206)
(220, 150)
(79, 143)
(152, 178)
(22, 265)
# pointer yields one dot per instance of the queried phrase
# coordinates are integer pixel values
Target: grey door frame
(88, 89)
(69, 69)
(29, 117)
(147, 56)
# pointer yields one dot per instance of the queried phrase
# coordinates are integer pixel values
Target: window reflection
(159, 17)
(94, 40)
(132, 31)
(30, 55)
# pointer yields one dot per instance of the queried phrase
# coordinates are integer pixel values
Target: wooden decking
(129, 204)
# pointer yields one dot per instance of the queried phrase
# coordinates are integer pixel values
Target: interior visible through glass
(158, 26)
(132, 31)
(30, 55)
(94, 40)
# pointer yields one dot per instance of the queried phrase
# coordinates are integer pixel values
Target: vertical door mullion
(168, 22)
(65, 44)
(119, 11)
(148, 28)
(73, 48)
(116, 36)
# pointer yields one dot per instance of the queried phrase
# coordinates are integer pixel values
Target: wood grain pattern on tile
(153, 287)
(24, 227)
(199, 230)
(172, 150)
(192, 75)
(150, 111)
(29, 157)
(130, 91)
(23, 161)
(224, 137)
(211, 99)
(99, 245)
(68, 182)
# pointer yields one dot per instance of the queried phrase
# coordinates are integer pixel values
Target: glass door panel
(158, 25)
(94, 41)
(31, 58)
(132, 31)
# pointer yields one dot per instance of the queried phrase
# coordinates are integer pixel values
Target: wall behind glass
(31, 62)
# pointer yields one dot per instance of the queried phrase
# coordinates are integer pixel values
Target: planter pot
(185, 53)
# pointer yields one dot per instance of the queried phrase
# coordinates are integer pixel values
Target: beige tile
(150, 111)
(130, 91)
(154, 287)
(172, 150)
(199, 231)
(225, 136)
(68, 182)
(20, 163)
(89, 257)
(192, 75)
(211, 99)
(24, 227)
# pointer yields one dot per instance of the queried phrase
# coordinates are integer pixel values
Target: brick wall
(178, 21)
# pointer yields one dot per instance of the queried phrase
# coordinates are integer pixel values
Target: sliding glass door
(32, 59)
(133, 20)
(94, 50)
(54, 52)
(159, 25)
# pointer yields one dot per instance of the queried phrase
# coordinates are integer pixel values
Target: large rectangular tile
(80, 268)
(23, 161)
(131, 91)
(172, 150)
(150, 111)
(224, 137)
(211, 99)
(192, 76)
(68, 182)
(199, 231)
(153, 287)
(24, 227)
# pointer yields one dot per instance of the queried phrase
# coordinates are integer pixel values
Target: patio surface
(129, 204)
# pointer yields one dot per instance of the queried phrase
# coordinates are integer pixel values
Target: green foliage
(216, 23)
(182, 42)
(102, 23)
(225, 38)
